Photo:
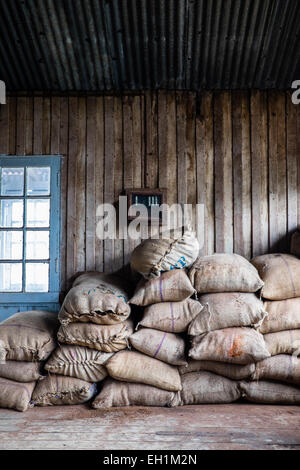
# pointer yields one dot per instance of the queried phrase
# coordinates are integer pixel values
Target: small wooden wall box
(146, 196)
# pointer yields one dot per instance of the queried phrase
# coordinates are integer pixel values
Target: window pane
(37, 275)
(38, 212)
(38, 181)
(11, 244)
(11, 277)
(11, 213)
(12, 181)
(37, 245)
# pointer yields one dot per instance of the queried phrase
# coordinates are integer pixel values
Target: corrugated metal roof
(101, 45)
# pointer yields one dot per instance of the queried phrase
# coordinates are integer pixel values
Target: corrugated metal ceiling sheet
(102, 45)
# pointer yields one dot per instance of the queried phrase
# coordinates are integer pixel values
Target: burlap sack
(205, 387)
(152, 257)
(227, 310)
(283, 342)
(15, 395)
(115, 393)
(167, 347)
(231, 371)
(282, 315)
(224, 273)
(131, 366)
(172, 286)
(28, 336)
(270, 392)
(107, 338)
(80, 362)
(21, 371)
(295, 244)
(281, 275)
(233, 345)
(283, 367)
(96, 297)
(61, 390)
(173, 317)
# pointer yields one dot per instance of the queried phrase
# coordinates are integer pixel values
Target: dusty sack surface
(281, 275)
(283, 367)
(115, 393)
(61, 390)
(107, 338)
(282, 315)
(80, 362)
(231, 371)
(224, 273)
(28, 336)
(205, 387)
(171, 286)
(131, 366)
(98, 298)
(173, 317)
(15, 395)
(21, 371)
(152, 257)
(283, 342)
(225, 310)
(270, 392)
(167, 347)
(233, 345)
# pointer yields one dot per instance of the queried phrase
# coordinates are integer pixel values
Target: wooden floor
(237, 426)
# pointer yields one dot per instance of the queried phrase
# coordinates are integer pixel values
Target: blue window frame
(29, 233)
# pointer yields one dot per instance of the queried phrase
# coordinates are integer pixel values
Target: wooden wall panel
(237, 153)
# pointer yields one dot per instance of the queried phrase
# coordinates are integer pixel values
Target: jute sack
(282, 315)
(115, 393)
(61, 390)
(233, 345)
(168, 347)
(231, 371)
(171, 286)
(295, 244)
(226, 310)
(152, 256)
(28, 336)
(224, 273)
(96, 297)
(283, 342)
(21, 371)
(80, 362)
(15, 395)
(270, 392)
(131, 366)
(205, 387)
(281, 275)
(173, 317)
(107, 338)
(283, 367)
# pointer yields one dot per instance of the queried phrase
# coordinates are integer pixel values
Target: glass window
(11, 277)
(38, 212)
(37, 244)
(11, 213)
(12, 181)
(11, 244)
(38, 181)
(37, 277)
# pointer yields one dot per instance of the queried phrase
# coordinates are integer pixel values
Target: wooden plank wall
(236, 152)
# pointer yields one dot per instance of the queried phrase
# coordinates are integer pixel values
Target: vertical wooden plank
(292, 170)
(205, 169)
(46, 126)
(64, 151)
(99, 176)
(37, 125)
(223, 172)
(118, 176)
(29, 126)
(21, 125)
(55, 125)
(128, 162)
(136, 152)
(241, 173)
(151, 167)
(4, 127)
(162, 139)
(171, 157)
(191, 156)
(12, 125)
(71, 200)
(81, 187)
(259, 163)
(298, 166)
(181, 147)
(90, 183)
(109, 174)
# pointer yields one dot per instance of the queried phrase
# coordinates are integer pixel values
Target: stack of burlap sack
(26, 341)
(148, 374)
